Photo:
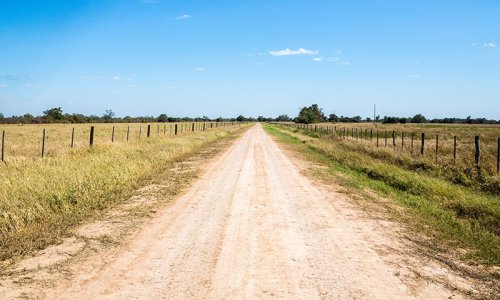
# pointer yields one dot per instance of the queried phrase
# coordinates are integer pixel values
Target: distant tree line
(56, 115)
(314, 114)
(307, 115)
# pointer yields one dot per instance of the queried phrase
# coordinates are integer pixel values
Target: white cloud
(287, 52)
(345, 63)
(334, 59)
(319, 59)
(3, 85)
(489, 45)
(183, 17)
(473, 44)
(200, 69)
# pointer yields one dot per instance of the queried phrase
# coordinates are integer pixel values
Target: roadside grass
(41, 200)
(451, 216)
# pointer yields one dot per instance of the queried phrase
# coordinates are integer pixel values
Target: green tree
(53, 114)
(108, 115)
(283, 118)
(311, 114)
(418, 119)
(162, 118)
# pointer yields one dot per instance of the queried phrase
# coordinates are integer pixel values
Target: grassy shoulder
(42, 200)
(450, 215)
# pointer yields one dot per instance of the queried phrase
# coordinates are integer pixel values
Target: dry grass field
(40, 199)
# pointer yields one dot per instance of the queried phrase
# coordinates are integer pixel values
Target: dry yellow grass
(465, 142)
(24, 141)
(41, 199)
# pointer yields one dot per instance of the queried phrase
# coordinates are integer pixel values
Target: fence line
(356, 135)
(179, 129)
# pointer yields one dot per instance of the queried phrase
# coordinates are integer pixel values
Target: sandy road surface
(251, 227)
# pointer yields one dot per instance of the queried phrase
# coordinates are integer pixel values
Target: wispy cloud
(3, 85)
(256, 54)
(289, 52)
(118, 78)
(200, 69)
(489, 45)
(184, 17)
(337, 59)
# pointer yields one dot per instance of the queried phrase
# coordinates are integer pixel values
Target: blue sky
(259, 57)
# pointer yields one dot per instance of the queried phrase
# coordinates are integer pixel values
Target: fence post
(73, 137)
(128, 132)
(477, 141)
(43, 143)
(149, 131)
(412, 137)
(394, 139)
(385, 135)
(3, 145)
(377, 137)
(113, 135)
(157, 130)
(437, 147)
(402, 140)
(422, 148)
(371, 134)
(192, 128)
(91, 135)
(175, 129)
(164, 129)
(455, 150)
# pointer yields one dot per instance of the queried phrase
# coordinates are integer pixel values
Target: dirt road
(251, 227)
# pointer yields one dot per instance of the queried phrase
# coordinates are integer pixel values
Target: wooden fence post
(175, 131)
(113, 135)
(149, 131)
(477, 141)
(91, 135)
(412, 137)
(377, 137)
(385, 135)
(394, 139)
(73, 137)
(455, 150)
(422, 148)
(3, 145)
(128, 132)
(43, 143)
(402, 140)
(437, 147)
(192, 128)
(371, 134)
